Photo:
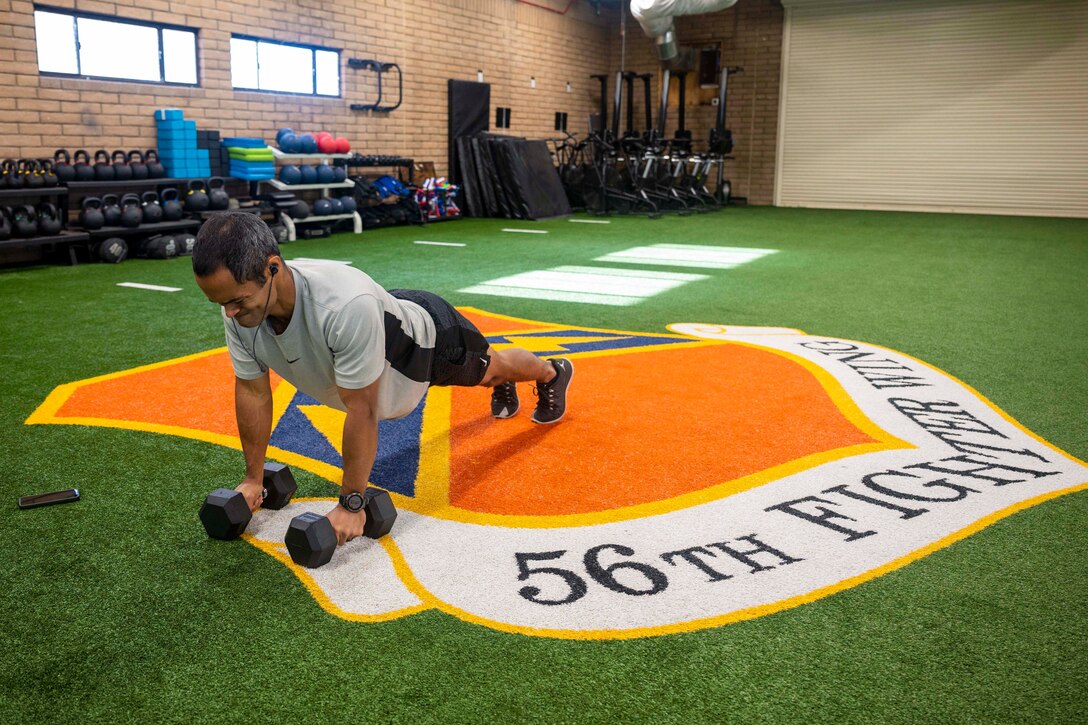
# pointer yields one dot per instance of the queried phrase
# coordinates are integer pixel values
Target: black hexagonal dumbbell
(225, 513)
(311, 541)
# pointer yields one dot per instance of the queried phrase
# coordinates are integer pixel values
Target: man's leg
(514, 365)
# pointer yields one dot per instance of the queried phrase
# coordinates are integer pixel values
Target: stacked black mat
(507, 176)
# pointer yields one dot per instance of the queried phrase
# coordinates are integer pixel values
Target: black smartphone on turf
(48, 499)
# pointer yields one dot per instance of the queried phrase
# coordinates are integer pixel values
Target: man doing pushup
(336, 335)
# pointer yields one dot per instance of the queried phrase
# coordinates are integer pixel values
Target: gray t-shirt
(345, 331)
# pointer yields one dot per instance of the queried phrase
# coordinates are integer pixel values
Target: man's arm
(359, 449)
(253, 409)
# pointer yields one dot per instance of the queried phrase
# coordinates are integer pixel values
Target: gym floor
(118, 607)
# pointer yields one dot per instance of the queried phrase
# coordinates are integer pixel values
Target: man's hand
(347, 525)
(253, 490)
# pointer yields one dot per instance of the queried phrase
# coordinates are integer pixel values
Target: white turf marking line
(318, 259)
(593, 285)
(155, 287)
(527, 231)
(441, 244)
(588, 221)
(687, 255)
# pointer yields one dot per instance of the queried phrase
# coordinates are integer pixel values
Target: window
(265, 65)
(96, 46)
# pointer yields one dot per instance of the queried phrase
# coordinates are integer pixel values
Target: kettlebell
(172, 210)
(160, 246)
(24, 220)
(121, 170)
(185, 243)
(49, 173)
(49, 223)
(155, 169)
(290, 174)
(218, 198)
(81, 160)
(10, 175)
(91, 216)
(325, 174)
(111, 211)
(103, 170)
(131, 213)
(309, 174)
(197, 198)
(152, 210)
(136, 162)
(112, 250)
(32, 174)
(5, 224)
(62, 163)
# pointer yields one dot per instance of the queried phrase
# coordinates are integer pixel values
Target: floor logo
(702, 476)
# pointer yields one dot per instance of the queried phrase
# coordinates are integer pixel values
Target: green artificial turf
(118, 609)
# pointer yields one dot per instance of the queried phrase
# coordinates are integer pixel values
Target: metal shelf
(27, 191)
(276, 153)
(64, 236)
(277, 184)
(290, 223)
(143, 229)
(139, 183)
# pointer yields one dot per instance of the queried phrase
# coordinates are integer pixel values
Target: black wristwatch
(353, 501)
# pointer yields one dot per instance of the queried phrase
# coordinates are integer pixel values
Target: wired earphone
(272, 269)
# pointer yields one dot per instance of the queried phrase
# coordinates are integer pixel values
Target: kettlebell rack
(284, 218)
(82, 187)
(65, 237)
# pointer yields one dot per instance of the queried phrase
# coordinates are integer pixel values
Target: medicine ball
(290, 174)
(300, 210)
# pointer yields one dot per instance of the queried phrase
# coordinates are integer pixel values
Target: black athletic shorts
(460, 350)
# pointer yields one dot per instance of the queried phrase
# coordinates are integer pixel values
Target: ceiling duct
(655, 17)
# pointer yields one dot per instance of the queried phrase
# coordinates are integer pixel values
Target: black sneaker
(551, 401)
(504, 401)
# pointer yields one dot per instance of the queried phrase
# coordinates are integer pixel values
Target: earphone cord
(264, 314)
(257, 329)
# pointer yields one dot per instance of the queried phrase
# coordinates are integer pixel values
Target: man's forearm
(360, 447)
(253, 409)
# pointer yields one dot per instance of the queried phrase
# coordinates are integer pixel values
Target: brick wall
(510, 42)
(750, 35)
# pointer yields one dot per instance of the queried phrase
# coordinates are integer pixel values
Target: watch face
(352, 502)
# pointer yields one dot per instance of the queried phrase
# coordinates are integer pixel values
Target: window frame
(159, 27)
(306, 46)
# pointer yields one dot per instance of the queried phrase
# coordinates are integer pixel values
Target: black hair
(236, 240)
